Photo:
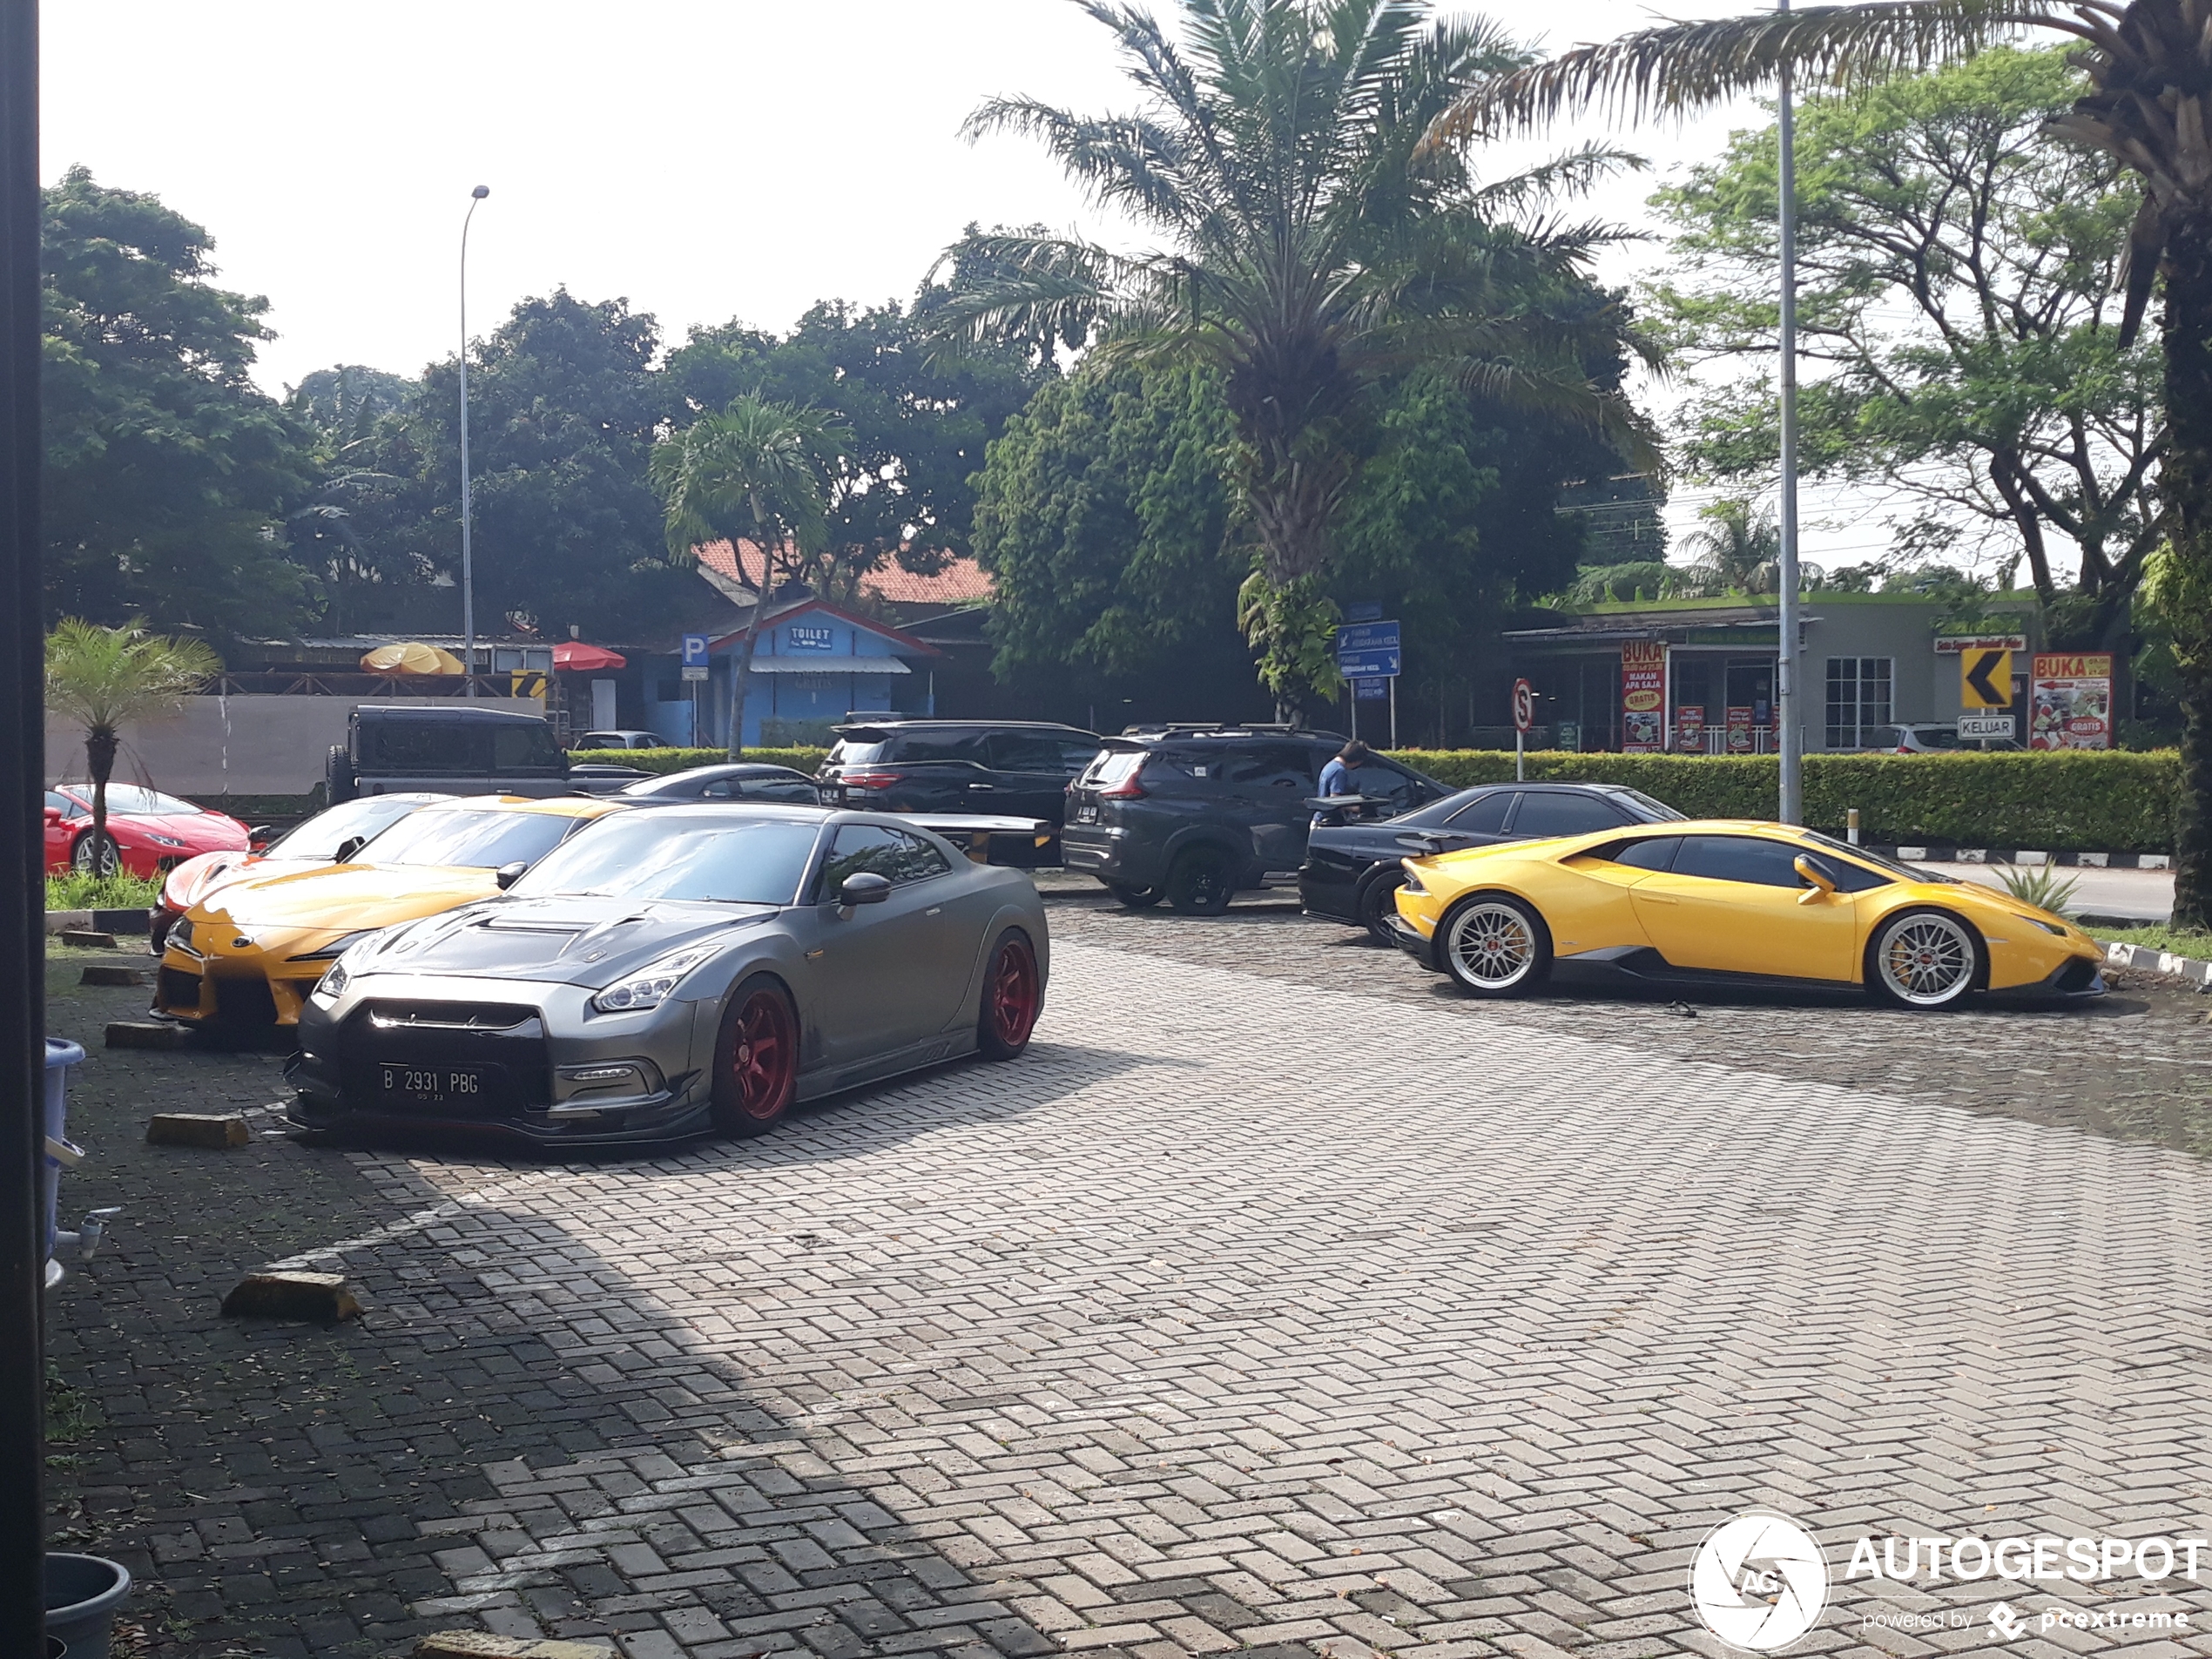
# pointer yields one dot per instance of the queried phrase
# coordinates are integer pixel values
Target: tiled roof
(961, 581)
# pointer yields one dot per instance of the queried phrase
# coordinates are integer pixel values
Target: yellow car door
(1735, 904)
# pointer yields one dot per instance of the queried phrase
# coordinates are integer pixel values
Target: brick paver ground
(1275, 1302)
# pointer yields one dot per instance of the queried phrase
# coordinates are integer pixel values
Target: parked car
(1353, 869)
(335, 834)
(249, 952)
(404, 749)
(1931, 737)
(148, 833)
(1022, 768)
(733, 781)
(1196, 813)
(622, 740)
(1722, 903)
(744, 958)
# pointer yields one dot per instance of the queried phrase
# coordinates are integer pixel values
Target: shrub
(83, 891)
(2073, 802)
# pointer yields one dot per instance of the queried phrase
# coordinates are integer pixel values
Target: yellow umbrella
(411, 658)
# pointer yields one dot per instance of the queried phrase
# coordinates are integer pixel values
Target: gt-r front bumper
(537, 1061)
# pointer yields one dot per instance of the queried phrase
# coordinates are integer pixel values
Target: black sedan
(734, 780)
(1351, 869)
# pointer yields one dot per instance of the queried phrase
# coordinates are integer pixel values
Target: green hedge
(661, 761)
(2073, 802)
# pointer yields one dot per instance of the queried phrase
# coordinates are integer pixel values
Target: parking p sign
(694, 657)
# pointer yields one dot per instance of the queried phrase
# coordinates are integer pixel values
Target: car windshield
(714, 860)
(129, 800)
(322, 835)
(1659, 809)
(850, 752)
(1875, 861)
(481, 838)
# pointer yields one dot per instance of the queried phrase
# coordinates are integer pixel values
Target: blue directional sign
(695, 651)
(1368, 651)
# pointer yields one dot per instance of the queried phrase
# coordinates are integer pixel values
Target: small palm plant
(105, 677)
(2042, 885)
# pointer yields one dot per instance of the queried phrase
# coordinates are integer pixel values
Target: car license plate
(436, 1085)
(1086, 814)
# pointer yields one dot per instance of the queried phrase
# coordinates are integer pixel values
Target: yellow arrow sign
(1986, 679)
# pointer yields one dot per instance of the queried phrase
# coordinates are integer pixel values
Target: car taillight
(871, 779)
(1128, 788)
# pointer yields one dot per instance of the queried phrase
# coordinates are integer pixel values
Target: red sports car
(147, 832)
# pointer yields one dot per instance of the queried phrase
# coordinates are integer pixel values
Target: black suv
(1195, 813)
(1016, 768)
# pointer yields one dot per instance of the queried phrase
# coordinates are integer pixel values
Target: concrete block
(146, 1033)
(198, 1129)
(86, 938)
(102, 973)
(139, 922)
(477, 1644)
(320, 1296)
(60, 920)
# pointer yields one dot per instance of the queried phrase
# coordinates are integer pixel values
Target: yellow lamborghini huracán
(1724, 902)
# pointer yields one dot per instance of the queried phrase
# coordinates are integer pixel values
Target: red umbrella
(577, 658)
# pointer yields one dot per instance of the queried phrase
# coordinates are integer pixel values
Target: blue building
(812, 665)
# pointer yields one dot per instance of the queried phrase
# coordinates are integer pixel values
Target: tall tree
(1309, 253)
(166, 470)
(103, 678)
(909, 429)
(2148, 64)
(1959, 284)
(346, 409)
(752, 470)
(564, 406)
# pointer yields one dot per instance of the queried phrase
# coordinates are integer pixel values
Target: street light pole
(23, 937)
(468, 561)
(1787, 690)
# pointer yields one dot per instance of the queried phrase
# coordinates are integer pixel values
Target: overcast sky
(706, 158)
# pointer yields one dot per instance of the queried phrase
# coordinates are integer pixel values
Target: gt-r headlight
(1413, 877)
(336, 947)
(333, 983)
(650, 986)
(159, 839)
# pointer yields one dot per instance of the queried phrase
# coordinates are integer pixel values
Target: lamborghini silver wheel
(1924, 959)
(1494, 946)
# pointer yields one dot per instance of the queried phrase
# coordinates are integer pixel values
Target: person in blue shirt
(1337, 778)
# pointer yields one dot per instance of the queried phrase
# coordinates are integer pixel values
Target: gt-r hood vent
(580, 941)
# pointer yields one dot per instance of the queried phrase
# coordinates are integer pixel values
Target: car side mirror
(347, 848)
(53, 814)
(508, 874)
(866, 888)
(1823, 883)
(261, 835)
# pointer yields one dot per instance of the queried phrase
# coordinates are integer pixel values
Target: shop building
(1698, 676)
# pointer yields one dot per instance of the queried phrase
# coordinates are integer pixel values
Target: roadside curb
(2144, 960)
(99, 921)
(2015, 855)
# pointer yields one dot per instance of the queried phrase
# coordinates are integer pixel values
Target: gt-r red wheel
(1012, 996)
(756, 1069)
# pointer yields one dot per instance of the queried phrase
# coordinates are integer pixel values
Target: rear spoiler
(1339, 803)
(1021, 843)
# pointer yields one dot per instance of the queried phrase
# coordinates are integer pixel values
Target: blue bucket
(61, 1055)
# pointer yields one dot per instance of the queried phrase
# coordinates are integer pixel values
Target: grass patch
(2183, 941)
(86, 892)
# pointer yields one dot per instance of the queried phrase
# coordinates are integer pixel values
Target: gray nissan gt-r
(664, 973)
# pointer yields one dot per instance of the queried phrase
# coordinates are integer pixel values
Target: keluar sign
(1643, 696)
(2070, 701)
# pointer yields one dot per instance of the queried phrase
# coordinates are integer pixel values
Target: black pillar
(23, 900)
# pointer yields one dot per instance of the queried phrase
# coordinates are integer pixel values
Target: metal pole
(1394, 710)
(1519, 756)
(1787, 713)
(468, 561)
(23, 935)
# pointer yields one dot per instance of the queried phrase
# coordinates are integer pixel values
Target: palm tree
(1739, 549)
(105, 677)
(750, 473)
(1309, 250)
(2149, 106)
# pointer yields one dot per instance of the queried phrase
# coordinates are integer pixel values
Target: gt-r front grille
(449, 1016)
